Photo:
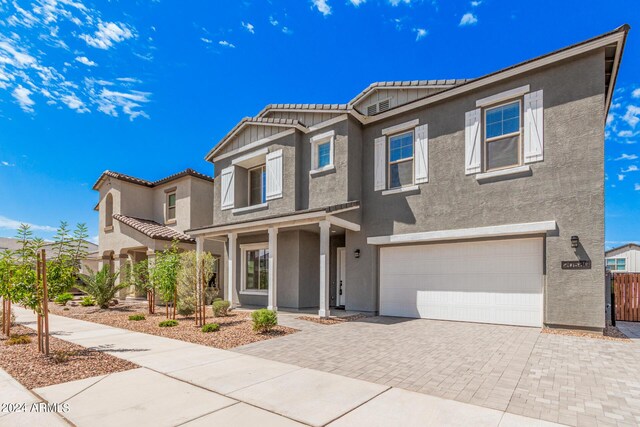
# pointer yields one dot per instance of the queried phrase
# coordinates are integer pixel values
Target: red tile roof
(152, 229)
(151, 184)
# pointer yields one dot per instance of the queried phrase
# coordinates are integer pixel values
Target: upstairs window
(108, 212)
(400, 160)
(171, 206)
(322, 148)
(324, 154)
(257, 185)
(502, 136)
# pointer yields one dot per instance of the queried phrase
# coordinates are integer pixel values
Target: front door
(341, 277)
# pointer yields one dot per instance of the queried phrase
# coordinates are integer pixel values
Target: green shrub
(210, 327)
(87, 301)
(137, 317)
(19, 339)
(264, 320)
(220, 308)
(217, 299)
(63, 299)
(168, 323)
(101, 285)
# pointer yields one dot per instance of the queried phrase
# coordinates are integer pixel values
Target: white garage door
(498, 281)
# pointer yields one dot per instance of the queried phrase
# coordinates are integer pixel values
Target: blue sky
(148, 87)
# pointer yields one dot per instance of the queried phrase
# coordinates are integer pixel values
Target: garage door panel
(492, 281)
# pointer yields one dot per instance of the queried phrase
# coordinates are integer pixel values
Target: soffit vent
(379, 107)
(372, 109)
(383, 105)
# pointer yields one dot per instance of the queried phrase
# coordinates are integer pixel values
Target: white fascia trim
(321, 136)
(503, 96)
(261, 152)
(339, 222)
(503, 172)
(400, 190)
(250, 208)
(499, 76)
(466, 233)
(254, 144)
(329, 122)
(402, 126)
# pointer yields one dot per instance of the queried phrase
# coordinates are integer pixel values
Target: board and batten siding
(631, 256)
(251, 133)
(396, 97)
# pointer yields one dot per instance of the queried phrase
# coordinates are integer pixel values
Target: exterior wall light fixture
(575, 241)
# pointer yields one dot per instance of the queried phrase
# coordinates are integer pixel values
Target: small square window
(322, 151)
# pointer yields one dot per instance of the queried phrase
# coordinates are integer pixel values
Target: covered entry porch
(288, 260)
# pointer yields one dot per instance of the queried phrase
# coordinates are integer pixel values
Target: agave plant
(101, 285)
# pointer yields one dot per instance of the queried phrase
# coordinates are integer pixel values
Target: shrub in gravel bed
(220, 308)
(18, 339)
(168, 323)
(88, 301)
(137, 317)
(63, 299)
(210, 327)
(264, 320)
(62, 356)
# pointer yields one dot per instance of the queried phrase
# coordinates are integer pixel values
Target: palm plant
(101, 285)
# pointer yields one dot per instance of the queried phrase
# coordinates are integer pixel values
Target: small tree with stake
(164, 276)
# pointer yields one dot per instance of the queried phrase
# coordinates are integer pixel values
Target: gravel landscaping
(236, 329)
(611, 333)
(332, 320)
(66, 362)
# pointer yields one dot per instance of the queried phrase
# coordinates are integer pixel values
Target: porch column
(273, 269)
(119, 264)
(325, 227)
(199, 250)
(231, 266)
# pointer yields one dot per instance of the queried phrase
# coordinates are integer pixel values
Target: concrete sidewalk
(181, 383)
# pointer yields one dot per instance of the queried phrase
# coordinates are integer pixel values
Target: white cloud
(476, 3)
(249, 27)
(322, 6)
(631, 116)
(226, 44)
(631, 168)
(627, 134)
(397, 2)
(86, 61)
(208, 41)
(129, 102)
(108, 34)
(420, 33)
(74, 103)
(7, 164)
(357, 3)
(21, 94)
(287, 31)
(468, 19)
(621, 177)
(636, 187)
(624, 156)
(636, 93)
(12, 224)
(129, 80)
(273, 21)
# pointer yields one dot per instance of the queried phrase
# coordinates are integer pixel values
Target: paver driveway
(566, 379)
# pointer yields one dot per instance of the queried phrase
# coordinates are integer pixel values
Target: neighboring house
(137, 218)
(624, 259)
(90, 261)
(442, 199)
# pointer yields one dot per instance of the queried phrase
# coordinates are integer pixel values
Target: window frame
(168, 195)
(244, 249)
(316, 141)
(263, 183)
(486, 141)
(615, 263)
(412, 159)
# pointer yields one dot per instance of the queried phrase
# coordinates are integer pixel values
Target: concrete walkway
(180, 383)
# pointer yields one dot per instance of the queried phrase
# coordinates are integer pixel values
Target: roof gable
(144, 182)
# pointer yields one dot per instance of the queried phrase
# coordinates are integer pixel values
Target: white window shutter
(421, 168)
(227, 187)
(380, 163)
(533, 127)
(472, 141)
(274, 175)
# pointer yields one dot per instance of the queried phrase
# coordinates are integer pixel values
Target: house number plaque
(576, 265)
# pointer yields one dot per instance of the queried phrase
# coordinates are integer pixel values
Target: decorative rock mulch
(611, 333)
(66, 362)
(236, 329)
(332, 320)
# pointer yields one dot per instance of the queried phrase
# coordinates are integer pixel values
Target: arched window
(108, 211)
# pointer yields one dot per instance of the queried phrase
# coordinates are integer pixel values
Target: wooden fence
(626, 289)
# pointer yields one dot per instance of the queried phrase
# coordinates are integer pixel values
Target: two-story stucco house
(442, 199)
(139, 217)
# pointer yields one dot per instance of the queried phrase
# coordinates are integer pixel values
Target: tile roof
(444, 83)
(151, 184)
(152, 229)
(327, 107)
